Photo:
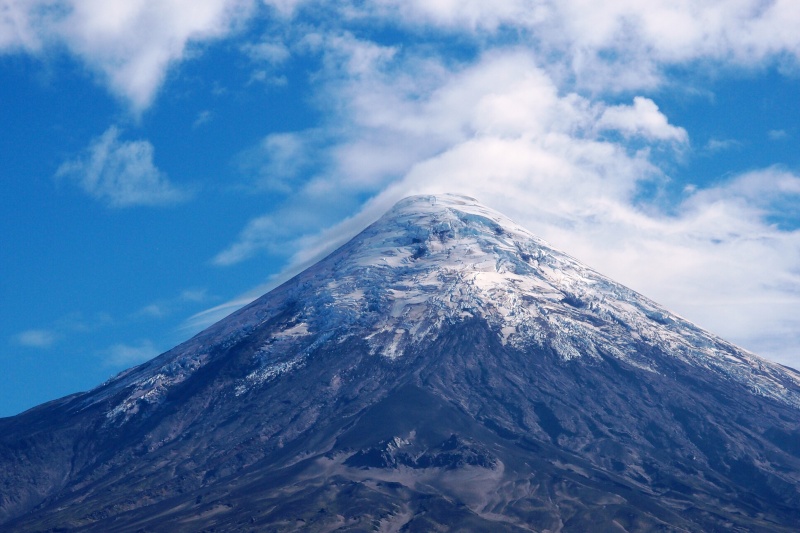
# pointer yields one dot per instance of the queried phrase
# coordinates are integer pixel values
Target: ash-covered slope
(445, 367)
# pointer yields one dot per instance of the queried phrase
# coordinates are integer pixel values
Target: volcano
(443, 370)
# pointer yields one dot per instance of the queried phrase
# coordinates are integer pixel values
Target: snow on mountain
(433, 260)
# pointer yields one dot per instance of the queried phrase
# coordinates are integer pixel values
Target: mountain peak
(436, 260)
(443, 343)
(420, 201)
(428, 209)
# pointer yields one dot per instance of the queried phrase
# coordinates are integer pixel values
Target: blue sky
(163, 162)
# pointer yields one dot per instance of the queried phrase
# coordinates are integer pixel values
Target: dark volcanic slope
(445, 369)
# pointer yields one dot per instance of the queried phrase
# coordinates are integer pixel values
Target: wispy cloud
(271, 51)
(719, 145)
(124, 355)
(277, 161)
(203, 117)
(165, 307)
(777, 135)
(121, 173)
(36, 338)
(209, 316)
(259, 234)
(61, 329)
(193, 295)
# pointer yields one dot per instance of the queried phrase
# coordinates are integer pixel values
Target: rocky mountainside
(444, 369)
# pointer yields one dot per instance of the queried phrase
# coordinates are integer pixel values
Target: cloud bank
(131, 45)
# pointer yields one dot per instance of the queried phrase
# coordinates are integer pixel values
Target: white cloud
(470, 14)
(390, 119)
(274, 232)
(129, 43)
(153, 310)
(613, 45)
(203, 117)
(285, 8)
(203, 319)
(121, 173)
(36, 338)
(770, 189)
(18, 24)
(273, 52)
(268, 55)
(642, 119)
(719, 145)
(193, 295)
(165, 307)
(777, 135)
(125, 355)
(619, 44)
(259, 234)
(61, 329)
(278, 159)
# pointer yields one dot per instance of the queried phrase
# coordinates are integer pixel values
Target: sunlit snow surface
(433, 260)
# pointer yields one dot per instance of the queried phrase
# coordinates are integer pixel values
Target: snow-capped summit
(438, 259)
(444, 368)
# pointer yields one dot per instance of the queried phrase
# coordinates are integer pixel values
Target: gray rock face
(444, 369)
